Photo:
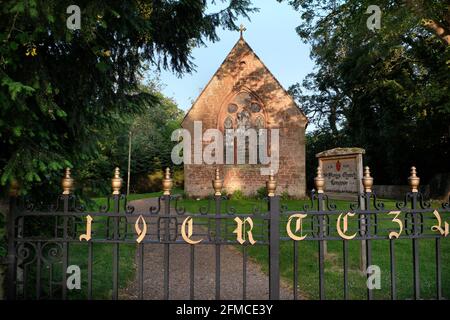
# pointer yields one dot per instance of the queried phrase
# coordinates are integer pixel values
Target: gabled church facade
(243, 92)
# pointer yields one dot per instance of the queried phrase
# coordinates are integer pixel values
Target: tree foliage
(151, 146)
(386, 90)
(61, 89)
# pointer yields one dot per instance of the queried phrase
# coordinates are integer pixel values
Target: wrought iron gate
(41, 241)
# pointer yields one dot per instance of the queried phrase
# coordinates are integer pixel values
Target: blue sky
(271, 34)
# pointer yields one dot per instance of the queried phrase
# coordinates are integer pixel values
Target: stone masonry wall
(243, 71)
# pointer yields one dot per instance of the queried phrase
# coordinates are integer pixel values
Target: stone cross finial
(242, 29)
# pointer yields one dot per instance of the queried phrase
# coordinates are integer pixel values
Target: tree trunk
(438, 29)
(4, 210)
(443, 32)
(2, 281)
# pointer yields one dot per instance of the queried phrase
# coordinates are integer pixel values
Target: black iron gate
(42, 242)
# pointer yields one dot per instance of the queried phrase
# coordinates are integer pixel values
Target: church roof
(241, 43)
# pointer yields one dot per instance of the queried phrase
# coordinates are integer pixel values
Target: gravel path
(204, 279)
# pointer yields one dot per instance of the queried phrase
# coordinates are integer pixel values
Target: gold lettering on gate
(87, 236)
(140, 232)
(187, 237)
(298, 226)
(240, 229)
(438, 227)
(394, 234)
(342, 232)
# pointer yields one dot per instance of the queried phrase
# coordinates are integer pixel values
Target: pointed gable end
(243, 93)
(243, 71)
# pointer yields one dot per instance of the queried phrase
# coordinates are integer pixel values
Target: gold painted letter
(438, 227)
(298, 226)
(338, 226)
(187, 237)
(140, 232)
(87, 235)
(394, 234)
(240, 229)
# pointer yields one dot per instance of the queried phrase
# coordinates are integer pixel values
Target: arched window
(259, 126)
(228, 147)
(244, 112)
(228, 124)
(259, 123)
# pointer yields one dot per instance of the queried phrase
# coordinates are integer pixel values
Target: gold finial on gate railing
(217, 184)
(67, 182)
(367, 180)
(116, 182)
(167, 183)
(414, 180)
(14, 188)
(271, 185)
(319, 181)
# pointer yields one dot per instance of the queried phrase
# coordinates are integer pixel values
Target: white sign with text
(341, 175)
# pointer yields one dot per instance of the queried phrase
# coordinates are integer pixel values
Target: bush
(178, 179)
(155, 180)
(261, 192)
(285, 195)
(183, 195)
(152, 182)
(149, 183)
(237, 195)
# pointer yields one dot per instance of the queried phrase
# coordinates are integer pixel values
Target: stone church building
(244, 92)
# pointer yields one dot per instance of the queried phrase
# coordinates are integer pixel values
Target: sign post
(343, 171)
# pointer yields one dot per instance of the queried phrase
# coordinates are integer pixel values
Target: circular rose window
(254, 107)
(243, 98)
(232, 108)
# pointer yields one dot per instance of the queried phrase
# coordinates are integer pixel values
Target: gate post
(319, 183)
(413, 182)
(11, 271)
(167, 184)
(274, 240)
(217, 185)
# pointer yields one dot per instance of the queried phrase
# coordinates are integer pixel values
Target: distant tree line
(151, 146)
(386, 90)
(64, 94)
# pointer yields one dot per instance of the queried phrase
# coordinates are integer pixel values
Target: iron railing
(40, 241)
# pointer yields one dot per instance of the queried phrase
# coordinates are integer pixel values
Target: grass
(334, 284)
(102, 269)
(307, 257)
